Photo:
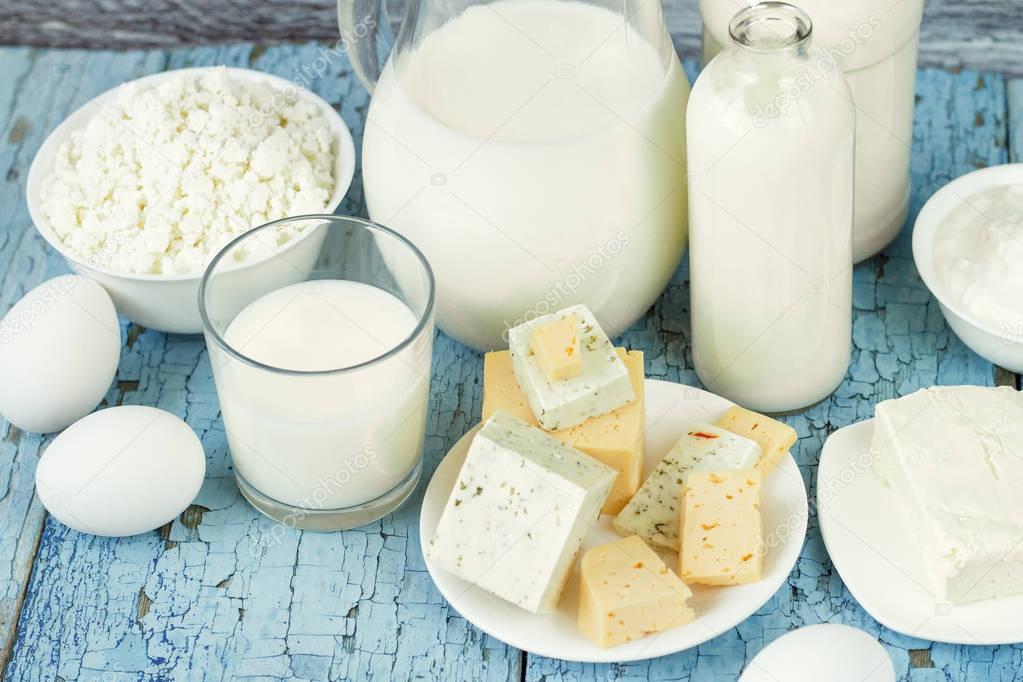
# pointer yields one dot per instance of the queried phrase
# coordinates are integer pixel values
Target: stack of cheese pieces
(563, 441)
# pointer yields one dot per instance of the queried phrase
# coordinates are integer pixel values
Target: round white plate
(878, 555)
(837, 653)
(670, 408)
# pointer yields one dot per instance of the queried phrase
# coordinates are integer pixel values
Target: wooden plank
(1015, 104)
(222, 592)
(979, 34)
(42, 88)
(901, 343)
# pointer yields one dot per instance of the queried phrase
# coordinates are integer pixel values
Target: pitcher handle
(366, 36)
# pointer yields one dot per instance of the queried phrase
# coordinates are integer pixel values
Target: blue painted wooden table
(223, 593)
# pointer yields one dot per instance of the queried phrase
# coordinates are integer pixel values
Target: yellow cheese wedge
(616, 439)
(722, 538)
(627, 592)
(773, 437)
(555, 346)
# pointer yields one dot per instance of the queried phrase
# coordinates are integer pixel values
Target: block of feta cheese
(601, 386)
(954, 456)
(626, 592)
(722, 537)
(556, 347)
(774, 437)
(617, 438)
(654, 514)
(518, 513)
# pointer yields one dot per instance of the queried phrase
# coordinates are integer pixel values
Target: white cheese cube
(601, 386)
(655, 512)
(955, 457)
(520, 509)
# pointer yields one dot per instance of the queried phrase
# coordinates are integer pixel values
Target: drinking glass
(320, 332)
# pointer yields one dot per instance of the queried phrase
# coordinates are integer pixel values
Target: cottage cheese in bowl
(164, 175)
(978, 252)
(143, 185)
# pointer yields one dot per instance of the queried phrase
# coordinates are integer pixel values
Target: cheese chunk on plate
(617, 438)
(774, 437)
(518, 513)
(601, 386)
(627, 592)
(654, 514)
(954, 455)
(722, 538)
(556, 347)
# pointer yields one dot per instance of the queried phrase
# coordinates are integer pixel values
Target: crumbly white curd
(978, 249)
(162, 177)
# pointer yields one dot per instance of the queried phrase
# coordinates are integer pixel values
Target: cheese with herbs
(617, 438)
(954, 456)
(626, 592)
(654, 513)
(601, 386)
(722, 536)
(518, 513)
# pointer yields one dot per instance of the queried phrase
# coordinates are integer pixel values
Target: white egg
(121, 471)
(59, 347)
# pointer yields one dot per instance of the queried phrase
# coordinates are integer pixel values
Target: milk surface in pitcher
(534, 150)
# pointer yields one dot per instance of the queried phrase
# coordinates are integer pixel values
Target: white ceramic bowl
(170, 302)
(995, 345)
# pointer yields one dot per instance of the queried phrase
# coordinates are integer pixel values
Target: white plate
(877, 553)
(837, 653)
(670, 409)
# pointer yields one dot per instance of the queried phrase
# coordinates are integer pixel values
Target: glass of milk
(321, 351)
(874, 42)
(771, 148)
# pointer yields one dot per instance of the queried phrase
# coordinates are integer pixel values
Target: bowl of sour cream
(968, 248)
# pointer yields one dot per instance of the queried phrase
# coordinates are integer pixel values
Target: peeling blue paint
(238, 596)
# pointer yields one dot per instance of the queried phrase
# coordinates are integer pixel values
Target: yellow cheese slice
(722, 537)
(616, 439)
(555, 346)
(627, 592)
(773, 437)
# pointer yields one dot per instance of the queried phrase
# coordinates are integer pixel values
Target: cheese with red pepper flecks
(654, 513)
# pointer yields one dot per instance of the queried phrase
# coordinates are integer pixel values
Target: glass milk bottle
(875, 44)
(533, 149)
(770, 150)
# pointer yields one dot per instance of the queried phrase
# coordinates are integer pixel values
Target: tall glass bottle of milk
(771, 155)
(874, 42)
(533, 149)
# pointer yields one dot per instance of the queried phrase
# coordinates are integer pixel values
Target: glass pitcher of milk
(875, 44)
(533, 149)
